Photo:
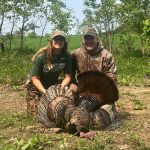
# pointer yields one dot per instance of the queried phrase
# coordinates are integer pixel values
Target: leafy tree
(102, 15)
(146, 29)
(4, 9)
(56, 14)
(32, 34)
(25, 9)
(61, 17)
(132, 15)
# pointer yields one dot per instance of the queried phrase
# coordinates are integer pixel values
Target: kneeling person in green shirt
(47, 68)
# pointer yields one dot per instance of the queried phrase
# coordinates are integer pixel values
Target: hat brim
(92, 34)
(58, 35)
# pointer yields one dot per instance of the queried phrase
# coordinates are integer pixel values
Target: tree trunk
(1, 37)
(22, 34)
(1, 24)
(43, 29)
(11, 33)
(111, 41)
(142, 45)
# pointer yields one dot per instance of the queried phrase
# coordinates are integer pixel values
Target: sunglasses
(59, 38)
(88, 37)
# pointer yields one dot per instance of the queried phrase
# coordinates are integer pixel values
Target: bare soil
(12, 100)
(133, 106)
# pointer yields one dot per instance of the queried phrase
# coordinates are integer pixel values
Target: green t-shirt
(48, 77)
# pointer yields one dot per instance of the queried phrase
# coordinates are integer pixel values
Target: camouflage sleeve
(109, 66)
(74, 69)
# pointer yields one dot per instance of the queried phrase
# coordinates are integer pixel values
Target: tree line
(130, 18)
(23, 15)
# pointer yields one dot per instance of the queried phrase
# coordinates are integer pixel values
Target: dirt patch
(133, 108)
(12, 100)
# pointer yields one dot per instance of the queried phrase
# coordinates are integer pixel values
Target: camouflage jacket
(102, 60)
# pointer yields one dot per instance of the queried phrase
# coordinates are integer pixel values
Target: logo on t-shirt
(62, 58)
(54, 67)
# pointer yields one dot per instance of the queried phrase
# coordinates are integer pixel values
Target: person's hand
(63, 86)
(43, 92)
(73, 88)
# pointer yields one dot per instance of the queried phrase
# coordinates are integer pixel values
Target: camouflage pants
(32, 98)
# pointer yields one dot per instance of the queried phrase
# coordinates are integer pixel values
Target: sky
(77, 7)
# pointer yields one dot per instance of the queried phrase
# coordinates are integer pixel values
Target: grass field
(133, 69)
(19, 132)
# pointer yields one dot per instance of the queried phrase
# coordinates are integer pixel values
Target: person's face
(90, 42)
(58, 43)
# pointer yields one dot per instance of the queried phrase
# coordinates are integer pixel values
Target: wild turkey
(52, 106)
(57, 107)
(95, 83)
(95, 90)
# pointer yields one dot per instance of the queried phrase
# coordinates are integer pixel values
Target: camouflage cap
(58, 33)
(89, 31)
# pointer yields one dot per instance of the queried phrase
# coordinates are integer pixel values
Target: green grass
(15, 120)
(14, 68)
(133, 69)
(74, 42)
(18, 132)
(15, 133)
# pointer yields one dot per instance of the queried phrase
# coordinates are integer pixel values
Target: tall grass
(14, 66)
(133, 70)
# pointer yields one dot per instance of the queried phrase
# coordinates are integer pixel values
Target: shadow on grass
(119, 120)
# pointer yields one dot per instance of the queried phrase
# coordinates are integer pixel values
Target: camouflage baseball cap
(58, 33)
(89, 31)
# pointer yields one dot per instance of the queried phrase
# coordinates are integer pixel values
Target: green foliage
(36, 142)
(100, 14)
(129, 73)
(131, 15)
(74, 42)
(12, 120)
(126, 15)
(136, 142)
(139, 105)
(146, 29)
(127, 43)
(27, 15)
(61, 18)
(14, 68)
(32, 35)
